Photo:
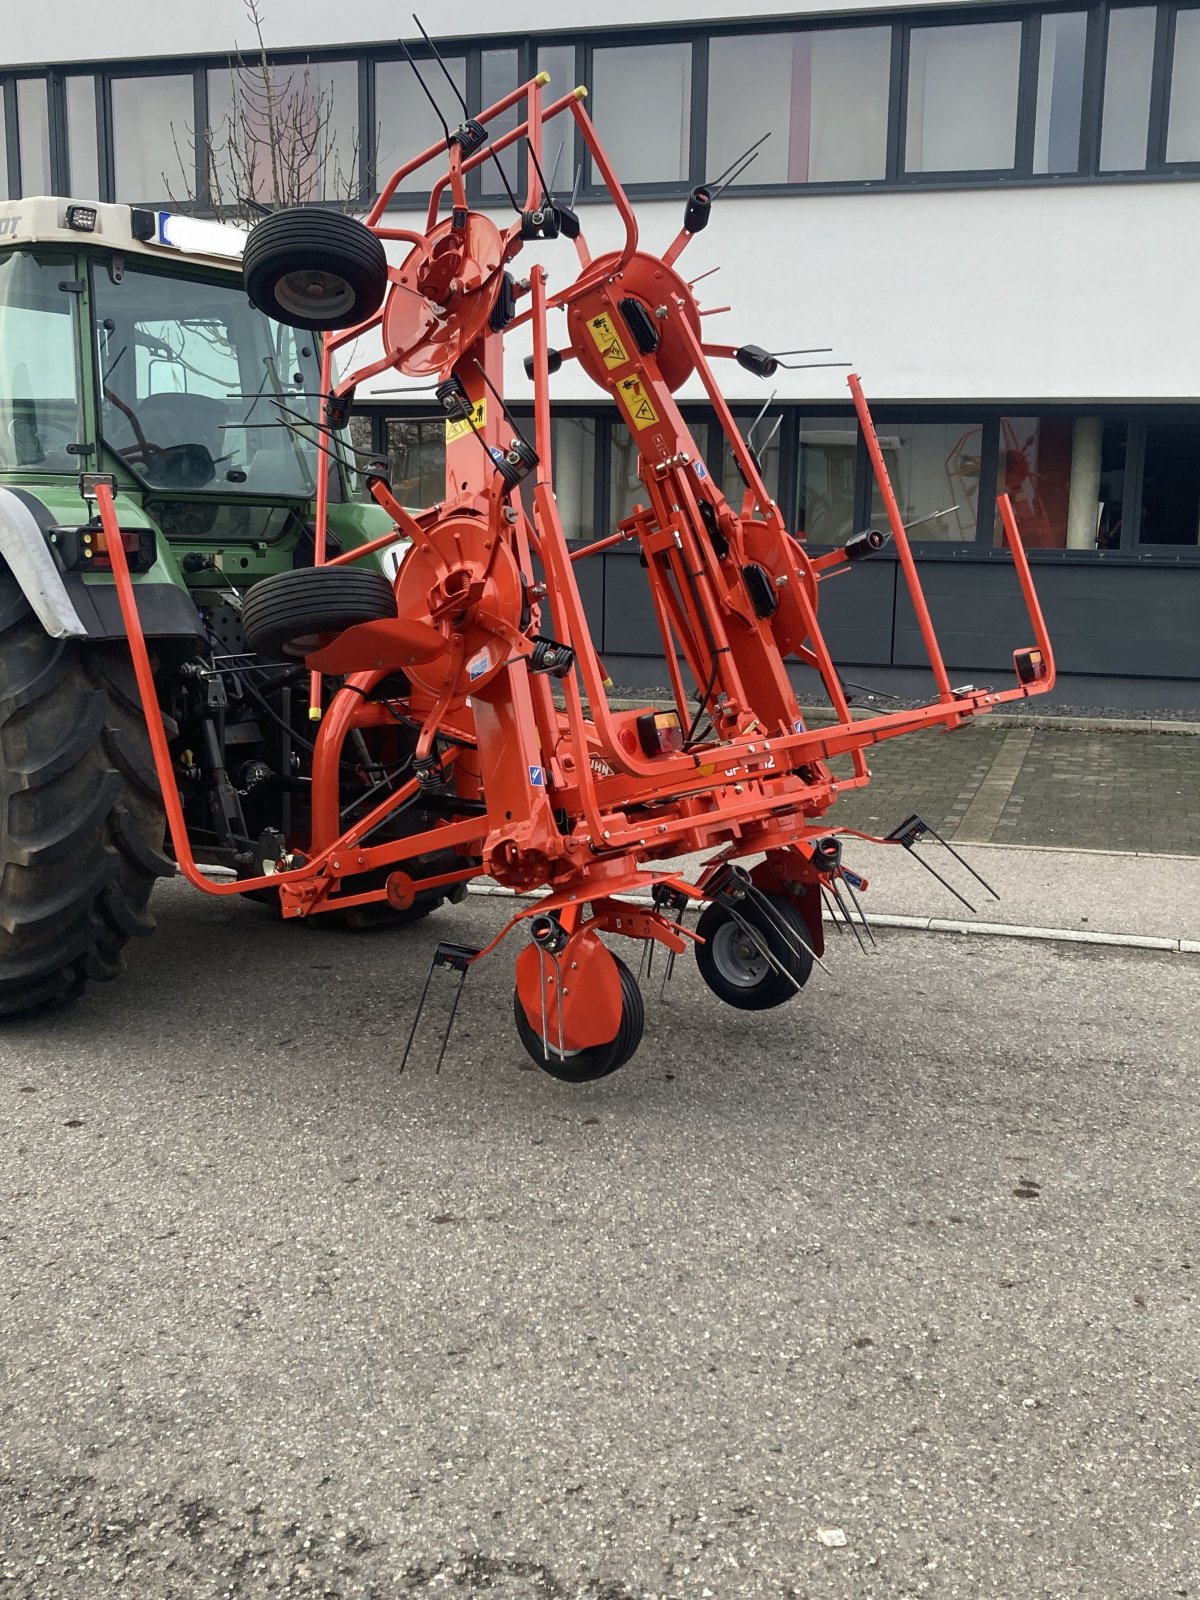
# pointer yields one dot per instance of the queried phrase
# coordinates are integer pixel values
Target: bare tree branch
(277, 143)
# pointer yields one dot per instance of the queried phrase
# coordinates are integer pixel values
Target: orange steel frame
(574, 804)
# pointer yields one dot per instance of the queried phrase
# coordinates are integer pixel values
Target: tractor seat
(174, 419)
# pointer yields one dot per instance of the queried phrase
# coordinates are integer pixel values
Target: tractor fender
(23, 548)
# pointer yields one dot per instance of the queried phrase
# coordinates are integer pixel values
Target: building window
(499, 75)
(962, 97)
(1065, 477)
(935, 468)
(826, 473)
(765, 437)
(575, 475)
(559, 61)
(1046, 480)
(3, 147)
(152, 138)
(417, 460)
(1059, 91)
(1183, 128)
(83, 160)
(643, 110)
(824, 95)
(334, 86)
(406, 123)
(1170, 508)
(33, 136)
(625, 487)
(1128, 70)
(310, 122)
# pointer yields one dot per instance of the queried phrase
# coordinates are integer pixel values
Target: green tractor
(129, 349)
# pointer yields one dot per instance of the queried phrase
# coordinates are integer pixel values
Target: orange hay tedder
(476, 664)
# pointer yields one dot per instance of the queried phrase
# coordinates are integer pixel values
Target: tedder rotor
(480, 649)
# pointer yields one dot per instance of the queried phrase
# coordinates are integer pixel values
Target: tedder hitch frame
(569, 795)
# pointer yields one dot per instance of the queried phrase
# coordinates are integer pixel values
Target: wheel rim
(320, 296)
(737, 957)
(551, 1050)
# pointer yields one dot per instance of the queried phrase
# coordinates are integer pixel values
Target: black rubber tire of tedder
(760, 968)
(285, 616)
(598, 1060)
(81, 816)
(312, 268)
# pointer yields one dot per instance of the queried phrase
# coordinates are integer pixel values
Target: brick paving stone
(1074, 790)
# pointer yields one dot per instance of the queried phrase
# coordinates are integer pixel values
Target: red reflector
(1030, 665)
(659, 733)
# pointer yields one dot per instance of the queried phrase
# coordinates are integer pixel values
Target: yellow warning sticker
(460, 426)
(608, 342)
(637, 404)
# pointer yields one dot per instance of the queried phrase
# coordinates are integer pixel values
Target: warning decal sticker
(637, 403)
(608, 342)
(458, 428)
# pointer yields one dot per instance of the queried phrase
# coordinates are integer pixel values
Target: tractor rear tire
(285, 617)
(81, 815)
(316, 269)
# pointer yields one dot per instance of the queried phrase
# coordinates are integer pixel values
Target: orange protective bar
(1032, 604)
(435, 150)
(321, 519)
(495, 146)
(903, 550)
(177, 826)
(144, 673)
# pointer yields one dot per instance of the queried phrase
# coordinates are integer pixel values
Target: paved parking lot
(908, 1263)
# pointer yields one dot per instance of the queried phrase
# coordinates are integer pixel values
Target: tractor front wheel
(81, 816)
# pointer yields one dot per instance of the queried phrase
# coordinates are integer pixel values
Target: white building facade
(991, 212)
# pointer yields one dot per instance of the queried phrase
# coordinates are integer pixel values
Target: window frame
(1165, 61)
(585, 42)
(1024, 113)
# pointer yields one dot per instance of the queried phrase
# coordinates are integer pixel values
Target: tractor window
(39, 366)
(199, 391)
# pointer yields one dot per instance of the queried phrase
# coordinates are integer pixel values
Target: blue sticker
(853, 879)
(701, 470)
(477, 667)
(537, 777)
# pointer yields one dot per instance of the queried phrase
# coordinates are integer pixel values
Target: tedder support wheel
(597, 1061)
(81, 816)
(312, 268)
(751, 963)
(285, 616)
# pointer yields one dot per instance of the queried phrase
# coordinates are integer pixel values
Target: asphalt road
(914, 1258)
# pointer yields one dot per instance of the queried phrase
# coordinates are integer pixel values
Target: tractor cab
(128, 346)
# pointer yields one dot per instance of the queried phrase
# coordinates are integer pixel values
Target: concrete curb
(989, 930)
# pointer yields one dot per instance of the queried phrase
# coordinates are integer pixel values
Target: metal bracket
(911, 831)
(449, 958)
